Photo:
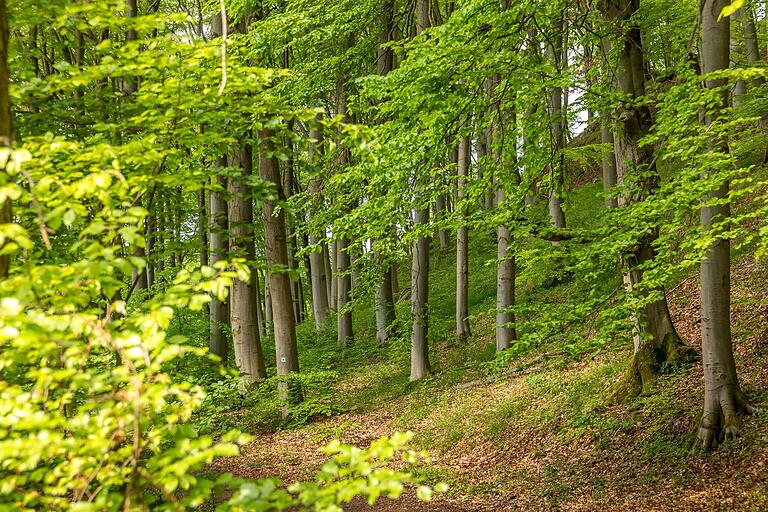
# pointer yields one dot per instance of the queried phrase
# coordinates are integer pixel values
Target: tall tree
(723, 397)
(343, 270)
(243, 306)
(557, 124)
(462, 243)
(218, 224)
(316, 237)
(276, 250)
(385, 300)
(656, 341)
(420, 367)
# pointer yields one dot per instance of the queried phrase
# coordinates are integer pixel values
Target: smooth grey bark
(297, 295)
(440, 211)
(149, 248)
(334, 275)
(276, 251)
(344, 290)
(385, 299)
(723, 397)
(249, 357)
(267, 304)
(130, 85)
(320, 308)
(506, 263)
(420, 367)
(343, 269)
(261, 320)
(395, 283)
(656, 341)
(557, 130)
(608, 163)
(385, 307)
(746, 16)
(6, 127)
(462, 243)
(202, 226)
(328, 273)
(217, 226)
(740, 87)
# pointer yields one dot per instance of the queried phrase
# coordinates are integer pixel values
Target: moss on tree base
(652, 359)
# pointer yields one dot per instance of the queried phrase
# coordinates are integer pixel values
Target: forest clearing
(386, 255)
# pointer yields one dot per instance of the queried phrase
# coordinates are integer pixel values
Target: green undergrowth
(544, 398)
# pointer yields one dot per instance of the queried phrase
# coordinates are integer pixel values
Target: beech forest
(383, 255)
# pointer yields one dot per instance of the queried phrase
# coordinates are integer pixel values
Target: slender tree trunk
(6, 129)
(395, 283)
(260, 319)
(317, 265)
(150, 247)
(385, 300)
(276, 249)
(608, 164)
(343, 271)
(344, 290)
(243, 315)
(268, 317)
(335, 276)
(723, 397)
(160, 238)
(420, 259)
(506, 266)
(557, 131)
(293, 264)
(751, 44)
(440, 212)
(219, 311)
(462, 244)
(202, 219)
(328, 273)
(130, 85)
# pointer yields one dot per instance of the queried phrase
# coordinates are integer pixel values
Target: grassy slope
(535, 433)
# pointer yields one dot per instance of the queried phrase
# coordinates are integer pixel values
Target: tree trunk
(462, 244)
(751, 44)
(723, 397)
(608, 164)
(344, 290)
(420, 258)
(219, 311)
(335, 276)
(6, 129)
(150, 247)
(261, 320)
(243, 316)
(317, 265)
(202, 226)
(440, 212)
(276, 250)
(557, 131)
(656, 340)
(395, 283)
(328, 273)
(385, 299)
(293, 263)
(268, 317)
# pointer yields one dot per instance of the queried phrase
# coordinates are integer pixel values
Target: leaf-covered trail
(543, 440)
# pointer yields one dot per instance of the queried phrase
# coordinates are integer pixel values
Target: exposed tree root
(647, 364)
(721, 420)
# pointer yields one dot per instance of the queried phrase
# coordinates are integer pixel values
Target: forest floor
(539, 435)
